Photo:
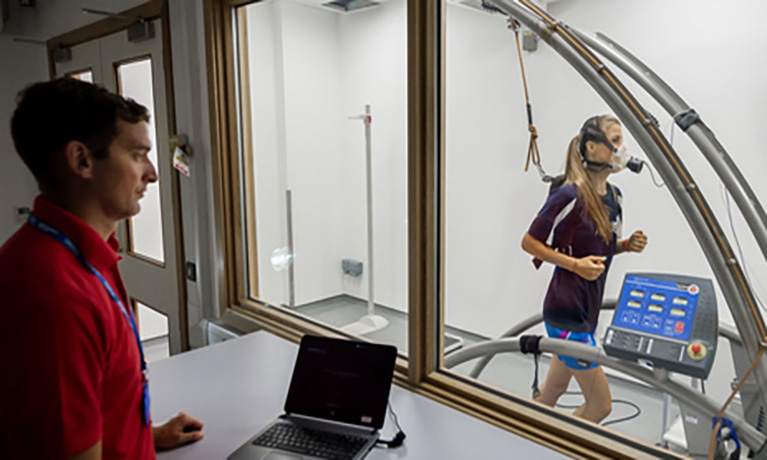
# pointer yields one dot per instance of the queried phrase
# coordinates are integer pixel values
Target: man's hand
(181, 429)
(589, 267)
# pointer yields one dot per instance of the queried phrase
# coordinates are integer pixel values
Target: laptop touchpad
(282, 456)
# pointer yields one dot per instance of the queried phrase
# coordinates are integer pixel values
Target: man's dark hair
(51, 114)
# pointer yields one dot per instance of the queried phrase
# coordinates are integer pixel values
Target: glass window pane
(146, 236)
(153, 330)
(321, 217)
(491, 287)
(85, 75)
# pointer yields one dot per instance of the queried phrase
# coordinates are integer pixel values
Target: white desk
(237, 387)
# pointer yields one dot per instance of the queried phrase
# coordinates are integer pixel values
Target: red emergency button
(696, 351)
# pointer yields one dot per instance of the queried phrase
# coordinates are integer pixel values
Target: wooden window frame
(423, 371)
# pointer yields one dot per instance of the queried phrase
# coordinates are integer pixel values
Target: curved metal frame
(699, 133)
(682, 392)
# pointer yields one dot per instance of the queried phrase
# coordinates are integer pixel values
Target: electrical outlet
(21, 213)
(351, 267)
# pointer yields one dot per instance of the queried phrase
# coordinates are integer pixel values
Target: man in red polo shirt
(73, 384)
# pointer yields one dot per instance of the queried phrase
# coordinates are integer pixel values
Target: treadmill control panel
(668, 320)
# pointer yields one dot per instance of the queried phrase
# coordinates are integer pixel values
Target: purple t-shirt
(572, 303)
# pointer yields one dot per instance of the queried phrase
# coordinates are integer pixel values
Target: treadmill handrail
(682, 392)
(521, 327)
(724, 330)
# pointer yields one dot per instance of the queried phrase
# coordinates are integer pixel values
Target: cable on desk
(398, 438)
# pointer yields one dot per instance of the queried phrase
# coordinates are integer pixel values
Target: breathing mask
(620, 158)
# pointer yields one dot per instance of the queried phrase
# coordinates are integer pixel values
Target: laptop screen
(342, 380)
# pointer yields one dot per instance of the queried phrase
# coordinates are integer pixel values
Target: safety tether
(533, 153)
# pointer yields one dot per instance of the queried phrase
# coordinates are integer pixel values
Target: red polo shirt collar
(100, 253)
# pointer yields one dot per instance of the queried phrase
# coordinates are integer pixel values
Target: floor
(509, 372)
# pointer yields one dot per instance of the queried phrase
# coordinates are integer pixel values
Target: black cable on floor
(628, 417)
(614, 401)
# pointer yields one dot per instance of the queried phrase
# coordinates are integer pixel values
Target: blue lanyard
(63, 239)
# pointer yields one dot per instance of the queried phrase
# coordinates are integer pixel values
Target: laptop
(336, 403)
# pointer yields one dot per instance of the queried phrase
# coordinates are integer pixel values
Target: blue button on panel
(656, 306)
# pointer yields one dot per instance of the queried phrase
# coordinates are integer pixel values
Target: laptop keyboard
(308, 441)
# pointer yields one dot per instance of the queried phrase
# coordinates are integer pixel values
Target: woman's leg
(595, 389)
(556, 382)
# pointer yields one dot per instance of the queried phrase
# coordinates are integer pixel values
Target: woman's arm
(589, 267)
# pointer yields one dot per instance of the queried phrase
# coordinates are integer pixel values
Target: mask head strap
(591, 132)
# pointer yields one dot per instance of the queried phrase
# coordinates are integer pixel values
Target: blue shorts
(583, 337)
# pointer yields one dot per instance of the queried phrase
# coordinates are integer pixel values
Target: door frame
(154, 9)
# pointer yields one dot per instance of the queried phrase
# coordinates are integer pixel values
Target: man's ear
(79, 159)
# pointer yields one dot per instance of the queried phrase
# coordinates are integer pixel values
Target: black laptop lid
(342, 380)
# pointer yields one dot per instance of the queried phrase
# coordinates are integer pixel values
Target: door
(149, 245)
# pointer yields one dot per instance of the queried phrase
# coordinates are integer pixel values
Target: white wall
(313, 68)
(711, 55)
(313, 127)
(295, 61)
(20, 65)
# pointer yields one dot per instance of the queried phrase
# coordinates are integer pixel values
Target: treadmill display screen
(664, 308)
